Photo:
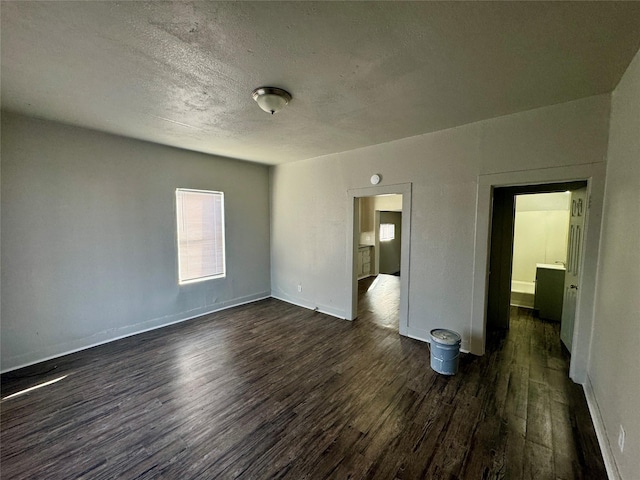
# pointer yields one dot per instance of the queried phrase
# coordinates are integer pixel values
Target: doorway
(534, 237)
(594, 174)
(364, 212)
(379, 260)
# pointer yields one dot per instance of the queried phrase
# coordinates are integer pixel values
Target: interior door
(500, 259)
(574, 262)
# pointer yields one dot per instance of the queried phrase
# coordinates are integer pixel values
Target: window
(200, 219)
(387, 232)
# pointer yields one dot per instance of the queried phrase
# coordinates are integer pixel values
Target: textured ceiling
(361, 73)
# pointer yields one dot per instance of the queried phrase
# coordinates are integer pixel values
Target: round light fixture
(271, 99)
(375, 179)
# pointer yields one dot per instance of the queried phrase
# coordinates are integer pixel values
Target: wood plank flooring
(271, 390)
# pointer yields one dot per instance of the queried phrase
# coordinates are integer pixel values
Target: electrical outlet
(299, 287)
(621, 439)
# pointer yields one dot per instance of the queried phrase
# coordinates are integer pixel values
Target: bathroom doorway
(535, 254)
(540, 235)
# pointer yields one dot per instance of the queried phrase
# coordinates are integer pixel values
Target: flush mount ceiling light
(271, 99)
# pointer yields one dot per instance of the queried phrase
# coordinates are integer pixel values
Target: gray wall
(88, 237)
(614, 368)
(310, 206)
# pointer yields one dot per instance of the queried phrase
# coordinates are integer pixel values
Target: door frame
(501, 257)
(353, 241)
(594, 175)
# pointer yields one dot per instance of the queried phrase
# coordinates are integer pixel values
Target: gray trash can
(445, 350)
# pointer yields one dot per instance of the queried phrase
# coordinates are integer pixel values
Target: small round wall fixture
(271, 99)
(375, 179)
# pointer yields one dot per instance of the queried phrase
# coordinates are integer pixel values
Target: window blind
(200, 220)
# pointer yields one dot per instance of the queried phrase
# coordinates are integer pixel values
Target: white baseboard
(304, 304)
(416, 334)
(601, 431)
(132, 330)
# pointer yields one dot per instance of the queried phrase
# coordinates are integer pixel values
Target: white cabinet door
(364, 262)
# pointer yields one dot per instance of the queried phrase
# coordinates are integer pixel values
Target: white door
(578, 208)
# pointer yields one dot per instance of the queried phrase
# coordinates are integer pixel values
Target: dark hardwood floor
(271, 390)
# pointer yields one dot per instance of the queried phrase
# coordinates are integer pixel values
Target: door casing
(353, 240)
(594, 175)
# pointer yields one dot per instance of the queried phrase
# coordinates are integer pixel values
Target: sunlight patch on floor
(30, 389)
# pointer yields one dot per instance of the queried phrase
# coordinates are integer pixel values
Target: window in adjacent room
(201, 251)
(387, 232)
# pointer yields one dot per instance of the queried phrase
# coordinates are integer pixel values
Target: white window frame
(184, 277)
